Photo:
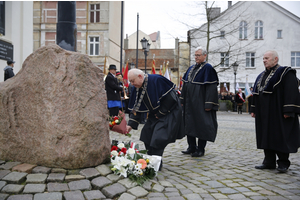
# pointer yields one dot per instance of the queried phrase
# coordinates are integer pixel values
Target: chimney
(229, 4)
(176, 43)
(126, 42)
(213, 13)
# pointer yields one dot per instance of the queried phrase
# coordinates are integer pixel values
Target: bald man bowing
(155, 95)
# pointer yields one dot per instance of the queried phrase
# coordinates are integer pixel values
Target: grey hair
(274, 54)
(136, 72)
(203, 50)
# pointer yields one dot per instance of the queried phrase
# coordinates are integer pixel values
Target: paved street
(225, 172)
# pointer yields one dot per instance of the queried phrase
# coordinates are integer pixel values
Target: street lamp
(235, 67)
(131, 65)
(146, 47)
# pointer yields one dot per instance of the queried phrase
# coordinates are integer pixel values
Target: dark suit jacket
(112, 88)
(238, 100)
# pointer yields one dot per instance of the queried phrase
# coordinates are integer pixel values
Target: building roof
(270, 3)
(154, 36)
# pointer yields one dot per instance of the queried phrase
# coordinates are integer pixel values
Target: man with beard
(275, 106)
(199, 98)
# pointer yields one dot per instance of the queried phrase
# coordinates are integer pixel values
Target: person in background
(113, 91)
(250, 100)
(275, 107)
(219, 95)
(156, 95)
(240, 99)
(123, 93)
(233, 101)
(199, 98)
(8, 70)
(228, 96)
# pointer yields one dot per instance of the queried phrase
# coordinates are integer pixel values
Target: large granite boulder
(54, 111)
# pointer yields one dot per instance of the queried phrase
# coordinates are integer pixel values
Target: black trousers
(240, 109)
(270, 158)
(192, 144)
(154, 151)
(114, 111)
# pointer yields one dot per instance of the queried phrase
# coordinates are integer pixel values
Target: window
(94, 13)
(2, 17)
(94, 46)
(250, 59)
(222, 34)
(279, 34)
(224, 60)
(259, 30)
(295, 59)
(243, 30)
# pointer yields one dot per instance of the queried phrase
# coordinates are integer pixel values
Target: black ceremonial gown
(276, 93)
(161, 100)
(200, 92)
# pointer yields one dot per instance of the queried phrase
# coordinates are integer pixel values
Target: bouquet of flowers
(128, 161)
(118, 124)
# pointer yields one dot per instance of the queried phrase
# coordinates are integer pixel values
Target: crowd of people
(275, 105)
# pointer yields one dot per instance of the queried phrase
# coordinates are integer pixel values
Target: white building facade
(16, 33)
(242, 34)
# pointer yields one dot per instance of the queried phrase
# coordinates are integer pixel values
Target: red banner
(153, 67)
(125, 76)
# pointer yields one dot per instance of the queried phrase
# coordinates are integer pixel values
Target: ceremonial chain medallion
(261, 88)
(191, 71)
(137, 102)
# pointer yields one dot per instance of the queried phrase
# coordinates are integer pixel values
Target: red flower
(114, 148)
(124, 150)
(115, 117)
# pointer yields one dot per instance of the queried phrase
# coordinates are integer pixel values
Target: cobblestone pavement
(225, 172)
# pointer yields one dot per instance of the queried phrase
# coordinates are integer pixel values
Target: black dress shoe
(282, 169)
(263, 166)
(188, 151)
(198, 154)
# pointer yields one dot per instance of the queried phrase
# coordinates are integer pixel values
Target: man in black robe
(155, 95)
(275, 106)
(199, 98)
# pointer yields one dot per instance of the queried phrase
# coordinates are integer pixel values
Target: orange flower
(143, 162)
(113, 123)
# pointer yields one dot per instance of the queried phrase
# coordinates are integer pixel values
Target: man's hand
(207, 109)
(253, 115)
(286, 116)
(128, 128)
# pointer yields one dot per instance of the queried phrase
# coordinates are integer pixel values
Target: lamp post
(146, 47)
(131, 65)
(235, 67)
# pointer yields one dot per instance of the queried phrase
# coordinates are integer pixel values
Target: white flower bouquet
(128, 161)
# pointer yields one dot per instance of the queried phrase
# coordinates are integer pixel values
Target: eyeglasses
(198, 55)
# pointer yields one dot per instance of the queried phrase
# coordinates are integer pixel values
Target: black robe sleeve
(134, 120)
(291, 96)
(167, 104)
(211, 98)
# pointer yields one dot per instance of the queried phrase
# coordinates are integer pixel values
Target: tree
(224, 35)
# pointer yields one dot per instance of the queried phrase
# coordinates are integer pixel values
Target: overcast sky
(165, 16)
